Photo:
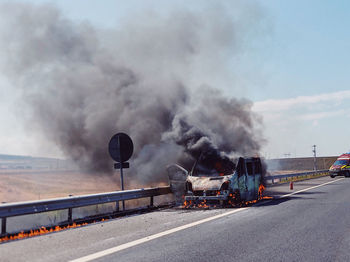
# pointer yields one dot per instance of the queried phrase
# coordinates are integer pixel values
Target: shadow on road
(278, 200)
(311, 193)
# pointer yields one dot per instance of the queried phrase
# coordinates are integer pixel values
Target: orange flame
(261, 191)
(189, 204)
(41, 231)
(203, 204)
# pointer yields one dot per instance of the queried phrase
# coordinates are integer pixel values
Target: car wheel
(332, 176)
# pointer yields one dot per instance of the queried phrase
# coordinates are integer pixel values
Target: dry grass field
(23, 186)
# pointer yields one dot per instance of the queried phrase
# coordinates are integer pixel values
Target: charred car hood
(207, 183)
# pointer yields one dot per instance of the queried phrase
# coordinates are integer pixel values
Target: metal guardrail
(34, 207)
(272, 178)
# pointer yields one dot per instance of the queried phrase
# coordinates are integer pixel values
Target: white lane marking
(170, 231)
(149, 238)
(309, 188)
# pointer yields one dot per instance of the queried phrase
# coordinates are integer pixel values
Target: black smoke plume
(147, 78)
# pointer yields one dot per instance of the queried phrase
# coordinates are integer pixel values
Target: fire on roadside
(261, 193)
(203, 204)
(40, 231)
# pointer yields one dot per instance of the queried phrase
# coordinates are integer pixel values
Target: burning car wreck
(215, 179)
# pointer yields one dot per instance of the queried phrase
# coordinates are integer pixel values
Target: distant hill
(15, 162)
(14, 157)
(18, 157)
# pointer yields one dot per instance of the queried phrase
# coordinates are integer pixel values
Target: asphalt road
(312, 225)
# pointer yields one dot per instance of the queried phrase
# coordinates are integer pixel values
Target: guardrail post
(3, 226)
(70, 215)
(117, 206)
(151, 202)
(272, 181)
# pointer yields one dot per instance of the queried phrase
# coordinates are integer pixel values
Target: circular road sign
(120, 147)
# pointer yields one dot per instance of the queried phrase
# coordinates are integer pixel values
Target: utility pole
(314, 151)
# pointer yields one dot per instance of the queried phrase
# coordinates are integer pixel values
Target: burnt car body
(219, 181)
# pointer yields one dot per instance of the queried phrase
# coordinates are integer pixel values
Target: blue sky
(296, 72)
(311, 43)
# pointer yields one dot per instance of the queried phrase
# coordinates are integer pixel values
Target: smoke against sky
(80, 85)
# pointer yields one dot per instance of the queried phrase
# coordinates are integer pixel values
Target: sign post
(120, 148)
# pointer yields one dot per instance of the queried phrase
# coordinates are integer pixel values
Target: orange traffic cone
(291, 185)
